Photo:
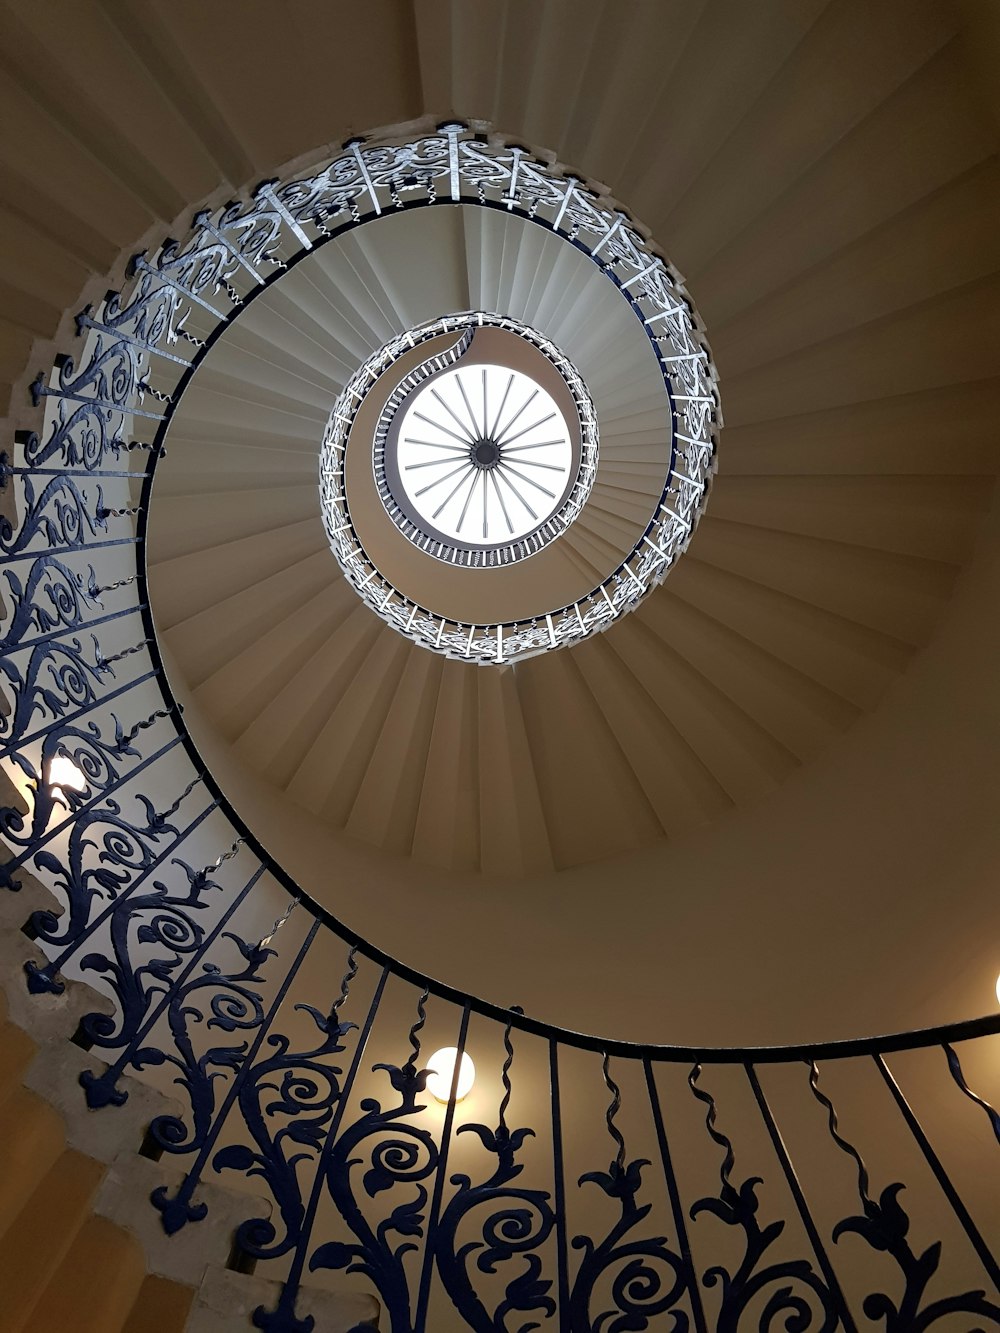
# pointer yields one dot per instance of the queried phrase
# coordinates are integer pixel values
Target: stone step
(226, 1301)
(107, 1132)
(125, 1199)
(46, 1017)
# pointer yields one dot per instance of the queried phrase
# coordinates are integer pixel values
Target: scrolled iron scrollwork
(98, 760)
(105, 853)
(229, 1002)
(52, 598)
(398, 1154)
(798, 1296)
(884, 1225)
(642, 1276)
(162, 919)
(516, 1227)
(57, 680)
(287, 1102)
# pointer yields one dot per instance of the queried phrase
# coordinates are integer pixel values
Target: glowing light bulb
(442, 1067)
(998, 990)
(65, 774)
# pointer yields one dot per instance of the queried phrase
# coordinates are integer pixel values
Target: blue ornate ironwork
(361, 1187)
(510, 1222)
(286, 1104)
(800, 1296)
(400, 1157)
(636, 1267)
(884, 1225)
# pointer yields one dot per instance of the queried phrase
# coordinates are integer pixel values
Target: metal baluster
(955, 1065)
(290, 1288)
(177, 1210)
(415, 1030)
(834, 1127)
(78, 548)
(423, 1296)
(942, 1177)
(77, 627)
(675, 1200)
(846, 1318)
(562, 1252)
(738, 1207)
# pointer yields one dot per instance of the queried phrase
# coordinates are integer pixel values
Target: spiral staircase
(306, 850)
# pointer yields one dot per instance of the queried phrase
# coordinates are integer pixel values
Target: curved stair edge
(84, 1247)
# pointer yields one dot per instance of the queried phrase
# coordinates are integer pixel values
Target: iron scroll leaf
(230, 1002)
(286, 1103)
(99, 761)
(52, 597)
(519, 1224)
(794, 1280)
(648, 1278)
(791, 1289)
(105, 854)
(645, 1277)
(884, 1225)
(58, 681)
(151, 933)
(398, 1154)
(63, 514)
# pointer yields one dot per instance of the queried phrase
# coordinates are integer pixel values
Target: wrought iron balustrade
(587, 1186)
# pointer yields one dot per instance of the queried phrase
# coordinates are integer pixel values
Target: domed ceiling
(841, 302)
(825, 178)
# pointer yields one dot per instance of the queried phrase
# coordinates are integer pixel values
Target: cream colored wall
(859, 897)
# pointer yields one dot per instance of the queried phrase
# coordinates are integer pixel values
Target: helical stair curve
(244, 1087)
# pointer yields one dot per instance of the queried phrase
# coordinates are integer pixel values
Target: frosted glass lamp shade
(442, 1067)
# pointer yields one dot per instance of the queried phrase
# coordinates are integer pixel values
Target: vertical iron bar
(83, 548)
(812, 1231)
(675, 1198)
(246, 1065)
(54, 965)
(299, 1257)
(423, 1297)
(23, 741)
(113, 1071)
(8, 650)
(562, 1254)
(943, 1179)
(50, 834)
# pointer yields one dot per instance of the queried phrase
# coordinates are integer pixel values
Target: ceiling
(792, 740)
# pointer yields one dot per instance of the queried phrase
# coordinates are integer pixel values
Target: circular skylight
(486, 449)
(484, 455)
